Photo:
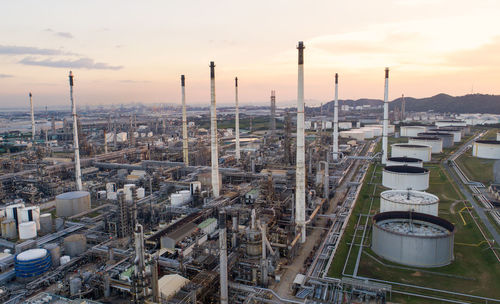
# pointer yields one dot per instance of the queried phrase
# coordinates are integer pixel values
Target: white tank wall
(411, 250)
(485, 150)
(423, 153)
(388, 203)
(408, 131)
(498, 136)
(27, 230)
(357, 135)
(398, 163)
(404, 181)
(35, 215)
(436, 145)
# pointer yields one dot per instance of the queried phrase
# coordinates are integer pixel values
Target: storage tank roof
(31, 254)
(27, 224)
(426, 138)
(410, 197)
(72, 195)
(405, 159)
(406, 169)
(490, 142)
(411, 146)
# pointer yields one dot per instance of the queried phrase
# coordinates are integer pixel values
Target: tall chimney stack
(336, 120)
(273, 113)
(223, 258)
(213, 133)
(237, 120)
(32, 119)
(185, 146)
(78, 172)
(386, 117)
(300, 172)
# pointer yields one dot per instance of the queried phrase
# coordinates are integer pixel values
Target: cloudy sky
(135, 51)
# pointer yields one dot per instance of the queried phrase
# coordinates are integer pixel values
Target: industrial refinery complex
(247, 204)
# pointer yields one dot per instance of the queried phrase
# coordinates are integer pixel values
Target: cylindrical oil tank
(75, 244)
(75, 284)
(31, 214)
(64, 259)
(186, 195)
(32, 263)
(71, 203)
(176, 199)
(413, 239)
(411, 131)
(436, 143)
(404, 161)
(55, 253)
(409, 200)
(489, 149)
(14, 212)
(141, 193)
(27, 230)
(368, 133)
(457, 132)
(447, 138)
(422, 152)
(355, 134)
(46, 223)
(9, 229)
(498, 136)
(405, 177)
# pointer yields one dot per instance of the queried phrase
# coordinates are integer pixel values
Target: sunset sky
(135, 51)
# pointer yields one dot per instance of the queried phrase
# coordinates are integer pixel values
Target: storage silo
(447, 138)
(435, 143)
(404, 161)
(489, 149)
(31, 214)
(456, 132)
(9, 229)
(27, 230)
(32, 263)
(405, 177)
(413, 239)
(55, 253)
(46, 223)
(498, 136)
(71, 203)
(409, 200)
(411, 131)
(75, 244)
(422, 152)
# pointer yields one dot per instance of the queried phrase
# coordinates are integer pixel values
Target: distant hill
(442, 103)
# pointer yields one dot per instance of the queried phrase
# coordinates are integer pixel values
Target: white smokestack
(213, 133)
(223, 258)
(78, 172)
(386, 117)
(32, 120)
(185, 146)
(273, 113)
(336, 120)
(300, 171)
(237, 120)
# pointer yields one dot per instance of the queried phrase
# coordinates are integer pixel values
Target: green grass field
(474, 271)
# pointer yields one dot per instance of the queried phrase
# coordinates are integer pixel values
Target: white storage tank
(355, 134)
(141, 193)
(405, 177)
(9, 228)
(413, 239)
(64, 260)
(71, 203)
(368, 132)
(489, 149)
(55, 253)
(404, 161)
(110, 187)
(31, 214)
(435, 143)
(450, 123)
(27, 230)
(75, 244)
(127, 189)
(32, 263)
(411, 131)
(422, 152)
(176, 199)
(498, 136)
(447, 138)
(46, 223)
(457, 133)
(409, 200)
